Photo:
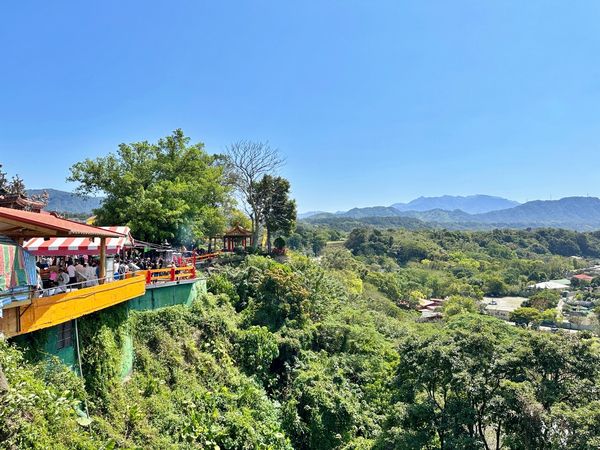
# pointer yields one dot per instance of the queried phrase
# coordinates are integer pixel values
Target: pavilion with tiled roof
(237, 236)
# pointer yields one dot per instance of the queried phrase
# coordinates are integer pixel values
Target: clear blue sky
(371, 102)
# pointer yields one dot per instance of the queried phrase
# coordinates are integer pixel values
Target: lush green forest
(327, 354)
(318, 346)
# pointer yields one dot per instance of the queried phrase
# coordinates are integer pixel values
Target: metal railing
(153, 276)
(70, 287)
(19, 295)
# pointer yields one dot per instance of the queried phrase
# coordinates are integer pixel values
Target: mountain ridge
(68, 202)
(472, 204)
(577, 213)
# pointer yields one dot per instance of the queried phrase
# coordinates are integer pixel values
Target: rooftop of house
(583, 277)
(552, 284)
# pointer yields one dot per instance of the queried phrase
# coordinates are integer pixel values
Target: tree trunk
(255, 233)
(255, 230)
(269, 240)
(3, 381)
(498, 431)
(481, 433)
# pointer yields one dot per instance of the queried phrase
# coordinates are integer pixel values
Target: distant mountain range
(579, 213)
(67, 202)
(472, 204)
(482, 212)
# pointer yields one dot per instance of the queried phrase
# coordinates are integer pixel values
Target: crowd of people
(57, 275)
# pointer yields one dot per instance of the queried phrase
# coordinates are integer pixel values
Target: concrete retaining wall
(155, 297)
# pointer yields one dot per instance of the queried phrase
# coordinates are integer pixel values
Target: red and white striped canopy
(61, 246)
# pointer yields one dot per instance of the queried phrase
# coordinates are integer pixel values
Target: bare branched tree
(247, 163)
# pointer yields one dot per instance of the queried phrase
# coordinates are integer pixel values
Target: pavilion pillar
(102, 266)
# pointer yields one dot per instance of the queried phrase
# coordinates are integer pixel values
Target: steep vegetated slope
(323, 355)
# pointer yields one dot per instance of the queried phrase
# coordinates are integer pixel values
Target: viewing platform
(25, 307)
(49, 310)
(43, 312)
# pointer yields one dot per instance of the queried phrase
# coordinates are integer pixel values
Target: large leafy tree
(278, 210)
(480, 384)
(170, 189)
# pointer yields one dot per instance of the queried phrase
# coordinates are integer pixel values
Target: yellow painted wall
(49, 311)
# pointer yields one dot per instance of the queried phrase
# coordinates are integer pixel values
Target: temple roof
(237, 231)
(18, 201)
(22, 224)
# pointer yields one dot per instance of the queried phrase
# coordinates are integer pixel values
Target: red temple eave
(23, 224)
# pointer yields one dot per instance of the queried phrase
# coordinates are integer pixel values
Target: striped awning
(69, 246)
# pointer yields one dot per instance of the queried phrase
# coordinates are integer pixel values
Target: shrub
(279, 243)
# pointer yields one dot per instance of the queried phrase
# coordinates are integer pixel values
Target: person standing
(116, 267)
(71, 272)
(92, 277)
(40, 283)
(80, 272)
(54, 268)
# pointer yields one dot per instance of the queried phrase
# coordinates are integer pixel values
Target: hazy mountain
(577, 213)
(306, 215)
(371, 211)
(472, 204)
(438, 215)
(68, 202)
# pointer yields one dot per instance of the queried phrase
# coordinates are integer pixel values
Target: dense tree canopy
(444, 263)
(169, 190)
(278, 210)
(327, 353)
(286, 356)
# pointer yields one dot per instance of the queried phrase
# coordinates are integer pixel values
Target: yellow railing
(56, 309)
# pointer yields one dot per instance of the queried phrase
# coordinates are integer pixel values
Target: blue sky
(371, 102)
